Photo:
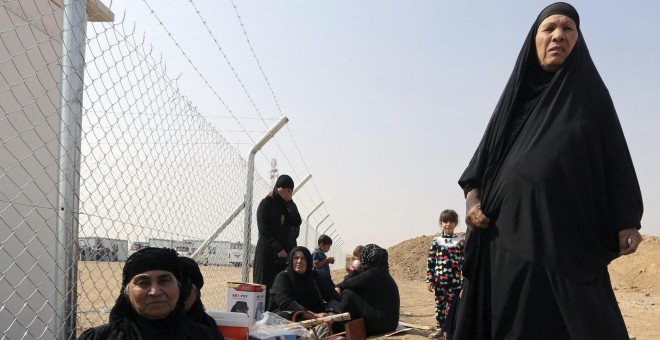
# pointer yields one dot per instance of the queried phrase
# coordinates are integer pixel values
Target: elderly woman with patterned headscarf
(150, 303)
(371, 292)
(552, 197)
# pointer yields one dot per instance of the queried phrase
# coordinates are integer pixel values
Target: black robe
(558, 183)
(292, 292)
(372, 294)
(279, 225)
(126, 324)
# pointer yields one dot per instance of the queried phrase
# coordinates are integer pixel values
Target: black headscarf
(285, 182)
(125, 323)
(304, 286)
(374, 256)
(150, 258)
(191, 273)
(190, 269)
(553, 166)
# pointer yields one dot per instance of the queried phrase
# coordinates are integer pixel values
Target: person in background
(357, 256)
(443, 273)
(193, 306)
(279, 222)
(321, 261)
(372, 293)
(552, 198)
(150, 302)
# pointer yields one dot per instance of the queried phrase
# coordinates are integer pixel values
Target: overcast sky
(387, 100)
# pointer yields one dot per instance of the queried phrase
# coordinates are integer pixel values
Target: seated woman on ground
(150, 302)
(299, 288)
(372, 293)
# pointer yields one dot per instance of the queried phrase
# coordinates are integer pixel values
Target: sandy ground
(635, 278)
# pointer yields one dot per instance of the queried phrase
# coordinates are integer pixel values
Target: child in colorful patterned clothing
(444, 268)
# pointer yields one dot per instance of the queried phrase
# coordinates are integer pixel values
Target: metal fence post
(309, 214)
(328, 228)
(302, 183)
(73, 68)
(318, 224)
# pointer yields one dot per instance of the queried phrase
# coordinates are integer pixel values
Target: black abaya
(278, 222)
(558, 183)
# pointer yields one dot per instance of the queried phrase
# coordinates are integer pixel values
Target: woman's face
(555, 39)
(153, 294)
(299, 262)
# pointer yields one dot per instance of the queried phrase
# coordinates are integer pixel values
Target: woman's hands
(629, 240)
(475, 218)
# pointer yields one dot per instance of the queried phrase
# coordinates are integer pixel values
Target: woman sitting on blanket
(299, 288)
(372, 293)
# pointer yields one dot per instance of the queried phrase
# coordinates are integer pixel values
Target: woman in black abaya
(299, 289)
(552, 198)
(279, 222)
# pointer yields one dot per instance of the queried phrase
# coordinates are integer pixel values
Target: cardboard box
(248, 298)
(233, 326)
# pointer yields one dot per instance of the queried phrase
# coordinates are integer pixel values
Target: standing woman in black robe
(279, 222)
(552, 197)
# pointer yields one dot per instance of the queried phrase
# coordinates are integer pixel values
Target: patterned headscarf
(374, 256)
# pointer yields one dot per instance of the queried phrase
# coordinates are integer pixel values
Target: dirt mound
(639, 272)
(408, 259)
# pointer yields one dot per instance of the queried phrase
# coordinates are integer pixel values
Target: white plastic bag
(273, 325)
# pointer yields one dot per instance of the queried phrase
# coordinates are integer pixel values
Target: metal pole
(317, 226)
(328, 228)
(307, 222)
(332, 233)
(336, 248)
(222, 227)
(300, 185)
(74, 23)
(296, 230)
(247, 226)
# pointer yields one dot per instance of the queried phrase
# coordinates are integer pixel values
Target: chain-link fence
(148, 170)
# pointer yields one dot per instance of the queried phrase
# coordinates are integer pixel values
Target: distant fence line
(151, 170)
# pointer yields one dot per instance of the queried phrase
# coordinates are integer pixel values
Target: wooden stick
(328, 318)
